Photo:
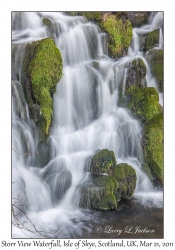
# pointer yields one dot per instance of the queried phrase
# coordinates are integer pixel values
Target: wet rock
(143, 102)
(157, 67)
(136, 73)
(137, 19)
(103, 163)
(153, 147)
(152, 39)
(41, 71)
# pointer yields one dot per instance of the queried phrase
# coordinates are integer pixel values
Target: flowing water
(86, 118)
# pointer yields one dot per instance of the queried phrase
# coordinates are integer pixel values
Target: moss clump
(153, 146)
(120, 34)
(103, 162)
(157, 67)
(126, 178)
(42, 69)
(143, 102)
(152, 39)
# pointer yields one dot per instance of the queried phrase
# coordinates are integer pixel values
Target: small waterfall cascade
(86, 118)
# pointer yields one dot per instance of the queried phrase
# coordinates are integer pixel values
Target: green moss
(103, 162)
(92, 16)
(108, 202)
(152, 39)
(42, 69)
(144, 102)
(157, 67)
(120, 34)
(153, 146)
(126, 178)
(109, 183)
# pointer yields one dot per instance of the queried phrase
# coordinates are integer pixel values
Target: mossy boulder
(41, 71)
(105, 191)
(136, 73)
(137, 19)
(100, 193)
(103, 163)
(157, 67)
(152, 39)
(153, 146)
(120, 34)
(126, 178)
(143, 102)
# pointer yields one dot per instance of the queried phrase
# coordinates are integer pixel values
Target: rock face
(105, 191)
(143, 102)
(136, 73)
(153, 147)
(41, 71)
(137, 19)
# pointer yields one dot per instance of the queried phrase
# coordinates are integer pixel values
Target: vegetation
(157, 67)
(103, 162)
(120, 34)
(152, 39)
(143, 102)
(42, 69)
(153, 146)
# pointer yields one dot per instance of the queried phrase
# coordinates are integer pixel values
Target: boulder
(103, 163)
(136, 73)
(153, 147)
(152, 39)
(137, 19)
(126, 178)
(157, 67)
(143, 102)
(110, 182)
(41, 71)
(120, 34)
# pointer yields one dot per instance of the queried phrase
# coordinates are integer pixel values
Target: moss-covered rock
(137, 19)
(152, 39)
(143, 102)
(106, 191)
(153, 146)
(120, 34)
(126, 178)
(41, 71)
(157, 67)
(136, 73)
(100, 193)
(103, 163)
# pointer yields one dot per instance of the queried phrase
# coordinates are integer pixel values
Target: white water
(86, 118)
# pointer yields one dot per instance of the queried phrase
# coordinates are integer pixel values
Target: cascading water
(86, 118)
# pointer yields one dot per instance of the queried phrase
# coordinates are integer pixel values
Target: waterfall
(86, 118)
